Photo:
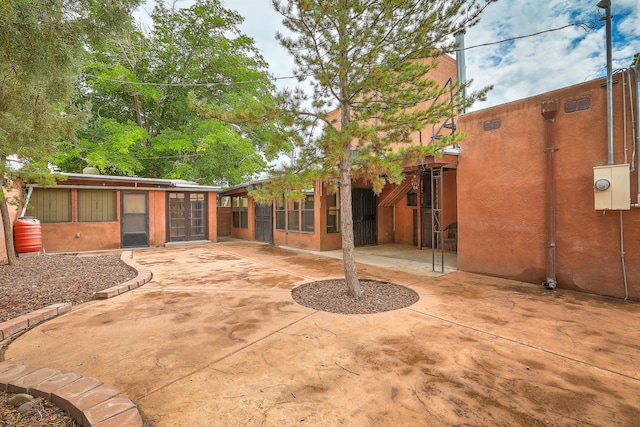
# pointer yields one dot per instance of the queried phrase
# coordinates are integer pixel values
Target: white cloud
(517, 69)
(548, 61)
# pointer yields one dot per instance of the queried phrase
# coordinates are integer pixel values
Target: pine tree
(368, 60)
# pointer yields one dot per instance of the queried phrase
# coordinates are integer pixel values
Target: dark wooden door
(264, 223)
(187, 217)
(365, 227)
(427, 228)
(134, 222)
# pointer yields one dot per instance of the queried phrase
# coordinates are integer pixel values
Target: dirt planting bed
(38, 281)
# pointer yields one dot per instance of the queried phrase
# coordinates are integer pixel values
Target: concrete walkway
(216, 340)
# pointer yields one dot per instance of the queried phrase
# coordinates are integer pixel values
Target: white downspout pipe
(26, 202)
(462, 67)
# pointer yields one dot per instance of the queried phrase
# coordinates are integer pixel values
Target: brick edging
(144, 276)
(26, 321)
(90, 402)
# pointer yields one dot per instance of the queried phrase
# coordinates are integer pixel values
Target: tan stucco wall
(157, 217)
(212, 220)
(501, 195)
(223, 219)
(384, 217)
(248, 233)
(80, 236)
(446, 69)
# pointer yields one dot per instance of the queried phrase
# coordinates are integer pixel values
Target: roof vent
(90, 170)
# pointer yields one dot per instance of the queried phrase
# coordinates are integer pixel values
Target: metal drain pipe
(462, 68)
(549, 110)
(637, 142)
(606, 5)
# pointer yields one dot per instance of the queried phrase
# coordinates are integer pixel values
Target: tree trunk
(8, 229)
(136, 109)
(346, 227)
(346, 211)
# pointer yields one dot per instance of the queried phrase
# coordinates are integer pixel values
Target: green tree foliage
(186, 85)
(369, 59)
(42, 44)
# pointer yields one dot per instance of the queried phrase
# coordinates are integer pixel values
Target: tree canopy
(170, 102)
(368, 61)
(42, 45)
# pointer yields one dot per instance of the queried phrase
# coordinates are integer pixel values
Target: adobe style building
(533, 193)
(521, 190)
(89, 212)
(415, 212)
(532, 202)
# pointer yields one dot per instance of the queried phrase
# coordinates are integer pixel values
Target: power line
(586, 26)
(208, 84)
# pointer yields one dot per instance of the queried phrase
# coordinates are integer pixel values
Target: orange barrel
(27, 234)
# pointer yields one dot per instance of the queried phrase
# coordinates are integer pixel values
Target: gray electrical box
(611, 187)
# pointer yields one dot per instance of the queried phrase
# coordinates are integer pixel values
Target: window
(224, 201)
(333, 213)
(281, 213)
(96, 205)
(240, 211)
(50, 205)
(308, 224)
(294, 215)
(412, 198)
(176, 215)
(197, 212)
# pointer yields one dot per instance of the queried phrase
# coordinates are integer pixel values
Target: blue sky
(517, 69)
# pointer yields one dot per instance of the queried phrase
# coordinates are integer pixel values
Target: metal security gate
(264, 223)
(134, 224)
(187, 218)
(365, 226)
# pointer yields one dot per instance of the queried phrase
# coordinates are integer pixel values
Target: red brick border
(90, 403)
(144, 276)
(27, 321)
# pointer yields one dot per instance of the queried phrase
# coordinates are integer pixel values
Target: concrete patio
(216, 340)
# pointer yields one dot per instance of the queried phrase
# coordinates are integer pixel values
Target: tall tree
(41, 45)
(370, 60)
(184, 85)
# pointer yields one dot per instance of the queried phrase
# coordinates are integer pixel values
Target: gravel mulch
(38, 281)
(38, 413)
(333, 296)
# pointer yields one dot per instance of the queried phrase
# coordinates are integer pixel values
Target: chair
(451, 237)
